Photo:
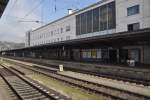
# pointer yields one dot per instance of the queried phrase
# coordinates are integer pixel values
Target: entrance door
(71, 55)
(123, 56)
(113, 56)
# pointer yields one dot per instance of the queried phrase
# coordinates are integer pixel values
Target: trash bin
(131, 63)
(61, 68)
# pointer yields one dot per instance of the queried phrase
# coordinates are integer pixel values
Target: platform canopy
(138, 37)
(3, 4)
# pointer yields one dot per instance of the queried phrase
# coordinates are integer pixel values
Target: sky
(20, 15)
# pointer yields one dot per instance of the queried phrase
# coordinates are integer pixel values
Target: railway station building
(109, 31)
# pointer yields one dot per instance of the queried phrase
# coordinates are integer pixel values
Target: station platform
(128, 72)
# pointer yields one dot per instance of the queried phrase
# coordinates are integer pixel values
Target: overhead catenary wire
(56, 10)
(15, 17)
(34, 8)
(23, 18)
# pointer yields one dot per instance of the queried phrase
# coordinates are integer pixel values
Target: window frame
(68, 28)
(132, 9)
(133, 28)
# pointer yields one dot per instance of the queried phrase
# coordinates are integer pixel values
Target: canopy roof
(116, 39)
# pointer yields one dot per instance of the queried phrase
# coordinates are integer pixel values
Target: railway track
(26, 89)
(114, 93)
(142, 82)
(9, 92)
(114, 77)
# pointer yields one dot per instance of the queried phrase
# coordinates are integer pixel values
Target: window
(51, 33)
(78, 24)
(133, 10)
(84, 55)
(99, 55)
(61, 38)
(93, 53)
(61, 30)
(111, 15)
(104, 53)
(96, 20)
(67, 37)
(55, 32)
(103, 17)
(89, 53)
(89, 22)
(57, 39)
(67, 28)
(58, 31)
(133, 27)
(135, 54)
(83, 23)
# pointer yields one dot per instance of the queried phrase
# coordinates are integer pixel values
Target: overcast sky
(12, 27)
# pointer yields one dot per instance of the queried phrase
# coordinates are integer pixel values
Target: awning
(118, 39)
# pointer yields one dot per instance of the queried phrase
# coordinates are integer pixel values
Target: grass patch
(74, 92)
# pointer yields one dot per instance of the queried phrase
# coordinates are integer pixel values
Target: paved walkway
(82, 64)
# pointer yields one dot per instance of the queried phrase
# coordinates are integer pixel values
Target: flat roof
(97, 3)
(120, 35)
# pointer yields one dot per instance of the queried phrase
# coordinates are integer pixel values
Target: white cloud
(11, 29)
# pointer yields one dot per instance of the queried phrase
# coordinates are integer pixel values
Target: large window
(78, 24)
(103, 17)
(93, 53)
(98, 19)
(133, 10)
(111, 15)
(99, 55)
(83, 23)
(89, 22)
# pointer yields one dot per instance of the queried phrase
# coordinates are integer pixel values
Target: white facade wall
(43, 35)
(122, 19)
(146, 13)
(53, 32)
(27, 39)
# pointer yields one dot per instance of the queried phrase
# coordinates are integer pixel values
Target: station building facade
(102, 19)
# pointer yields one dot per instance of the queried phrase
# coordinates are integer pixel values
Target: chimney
(70, 11)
